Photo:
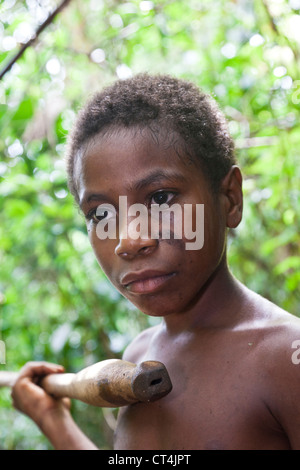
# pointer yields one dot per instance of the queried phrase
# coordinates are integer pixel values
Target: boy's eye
(101, 216)
(94, 217)
(161, 197)
(100, 213)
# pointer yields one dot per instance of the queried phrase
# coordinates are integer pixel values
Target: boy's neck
(218, 305)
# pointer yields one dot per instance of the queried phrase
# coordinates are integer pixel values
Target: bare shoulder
(282, 333)
(280, 329)
(279, 363)
(276, 335)
(138, 347)
(268, 317)
(281, 324)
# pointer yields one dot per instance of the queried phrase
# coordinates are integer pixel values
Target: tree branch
(29, 43)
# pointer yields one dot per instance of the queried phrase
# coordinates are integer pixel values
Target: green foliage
(55, 302)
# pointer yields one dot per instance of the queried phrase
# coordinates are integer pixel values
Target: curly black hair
(168, 103)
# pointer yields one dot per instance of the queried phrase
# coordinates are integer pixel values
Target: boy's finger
(33, 369)
(27, 387)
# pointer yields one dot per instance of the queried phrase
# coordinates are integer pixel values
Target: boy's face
(160, 276)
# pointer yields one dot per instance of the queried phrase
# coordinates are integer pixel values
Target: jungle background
(55, 303)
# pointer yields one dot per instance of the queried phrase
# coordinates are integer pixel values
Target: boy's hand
(31, 399)
(50, 414)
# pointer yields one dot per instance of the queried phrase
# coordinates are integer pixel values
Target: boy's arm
(289, 408)
(51, 415)
(64, 434)
(284, 376)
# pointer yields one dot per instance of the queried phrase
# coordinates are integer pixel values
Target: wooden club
(110, 383)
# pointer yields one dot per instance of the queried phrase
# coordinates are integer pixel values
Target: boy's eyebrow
(93, 197)
(157, 176)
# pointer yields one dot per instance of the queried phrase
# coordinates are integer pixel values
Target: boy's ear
(231, 190)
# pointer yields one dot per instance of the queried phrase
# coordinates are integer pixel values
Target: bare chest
(203, 417)
(215, 403)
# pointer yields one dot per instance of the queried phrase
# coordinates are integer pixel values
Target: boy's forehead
(135, 138)
(138, 146)
(135, 155)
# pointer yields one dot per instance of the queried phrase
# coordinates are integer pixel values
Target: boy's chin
(154, 308)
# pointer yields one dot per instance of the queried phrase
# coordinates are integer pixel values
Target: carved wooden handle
(111, 383)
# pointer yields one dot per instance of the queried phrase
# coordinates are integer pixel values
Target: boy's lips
(144, 282)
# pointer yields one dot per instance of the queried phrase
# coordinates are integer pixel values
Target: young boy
(159, 140)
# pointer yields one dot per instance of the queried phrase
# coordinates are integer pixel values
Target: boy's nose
(128, 247)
